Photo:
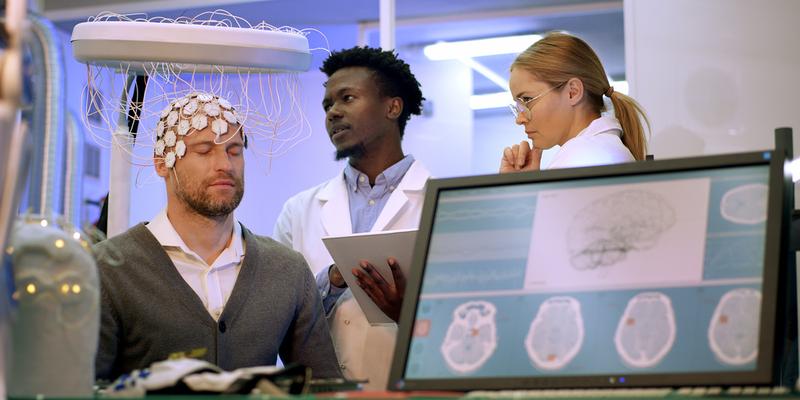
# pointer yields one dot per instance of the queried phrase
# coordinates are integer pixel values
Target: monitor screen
(642, 274)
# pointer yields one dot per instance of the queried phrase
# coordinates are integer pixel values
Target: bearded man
(194, 282)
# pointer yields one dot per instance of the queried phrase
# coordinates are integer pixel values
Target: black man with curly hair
(370, 95)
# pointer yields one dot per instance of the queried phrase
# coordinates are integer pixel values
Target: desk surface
(688, 393)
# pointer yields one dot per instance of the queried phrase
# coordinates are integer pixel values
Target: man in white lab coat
(369, 96)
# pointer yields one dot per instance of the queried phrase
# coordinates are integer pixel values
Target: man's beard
(355, 151)
(195, 197)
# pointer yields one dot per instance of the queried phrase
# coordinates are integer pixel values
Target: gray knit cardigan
(149, 312)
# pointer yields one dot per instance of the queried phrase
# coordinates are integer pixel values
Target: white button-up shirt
(212, 283)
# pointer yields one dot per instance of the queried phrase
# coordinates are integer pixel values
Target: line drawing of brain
(603, 232)
(745, 204)
(471, 337)
(733, 329)
(646, 331)
(556, 334)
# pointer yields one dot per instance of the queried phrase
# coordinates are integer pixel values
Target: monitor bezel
(774, 256)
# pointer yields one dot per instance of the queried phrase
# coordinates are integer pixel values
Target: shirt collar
(604, 124)
(393, 175)
(165, 233)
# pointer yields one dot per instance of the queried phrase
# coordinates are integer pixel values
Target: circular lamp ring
(138, 43)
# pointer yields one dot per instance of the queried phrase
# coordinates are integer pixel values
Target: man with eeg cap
(194, 281)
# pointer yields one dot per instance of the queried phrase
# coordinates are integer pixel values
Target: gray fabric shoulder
(110, 250)
(275, 250)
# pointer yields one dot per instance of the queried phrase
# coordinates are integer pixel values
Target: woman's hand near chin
(520, 157)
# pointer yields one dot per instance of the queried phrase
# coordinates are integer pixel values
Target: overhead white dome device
(109, 43)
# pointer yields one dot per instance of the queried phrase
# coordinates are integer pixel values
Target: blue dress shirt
(366, 203)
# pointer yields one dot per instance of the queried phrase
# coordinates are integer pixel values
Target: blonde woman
(558, 85)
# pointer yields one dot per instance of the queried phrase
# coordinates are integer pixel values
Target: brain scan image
(646, 331)
(603, 232)
(471, 338)
(733, 331)
(556, 334)
(745, 204)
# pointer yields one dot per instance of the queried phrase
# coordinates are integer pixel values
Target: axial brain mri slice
(646, 331)
(471, 338)
(556, 334)
(733, 331)
(605, 230)
(745, 204)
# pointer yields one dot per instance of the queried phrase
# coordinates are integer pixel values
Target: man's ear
(575, 90)
(161, 167)
(395, 108)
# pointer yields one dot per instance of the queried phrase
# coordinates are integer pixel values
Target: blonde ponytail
(628, 111)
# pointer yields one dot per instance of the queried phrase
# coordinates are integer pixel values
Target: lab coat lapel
(413, 181)
(335, 208)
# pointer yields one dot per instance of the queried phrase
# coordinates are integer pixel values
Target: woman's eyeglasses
(524, 106)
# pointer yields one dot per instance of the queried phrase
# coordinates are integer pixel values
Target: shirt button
(371, 202)
(362, 178)
(391, 187)
(347, 322)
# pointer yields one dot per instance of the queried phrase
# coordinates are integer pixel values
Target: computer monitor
(655, 273)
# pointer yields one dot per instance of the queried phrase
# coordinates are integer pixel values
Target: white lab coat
(364, 351)
(599, 143)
